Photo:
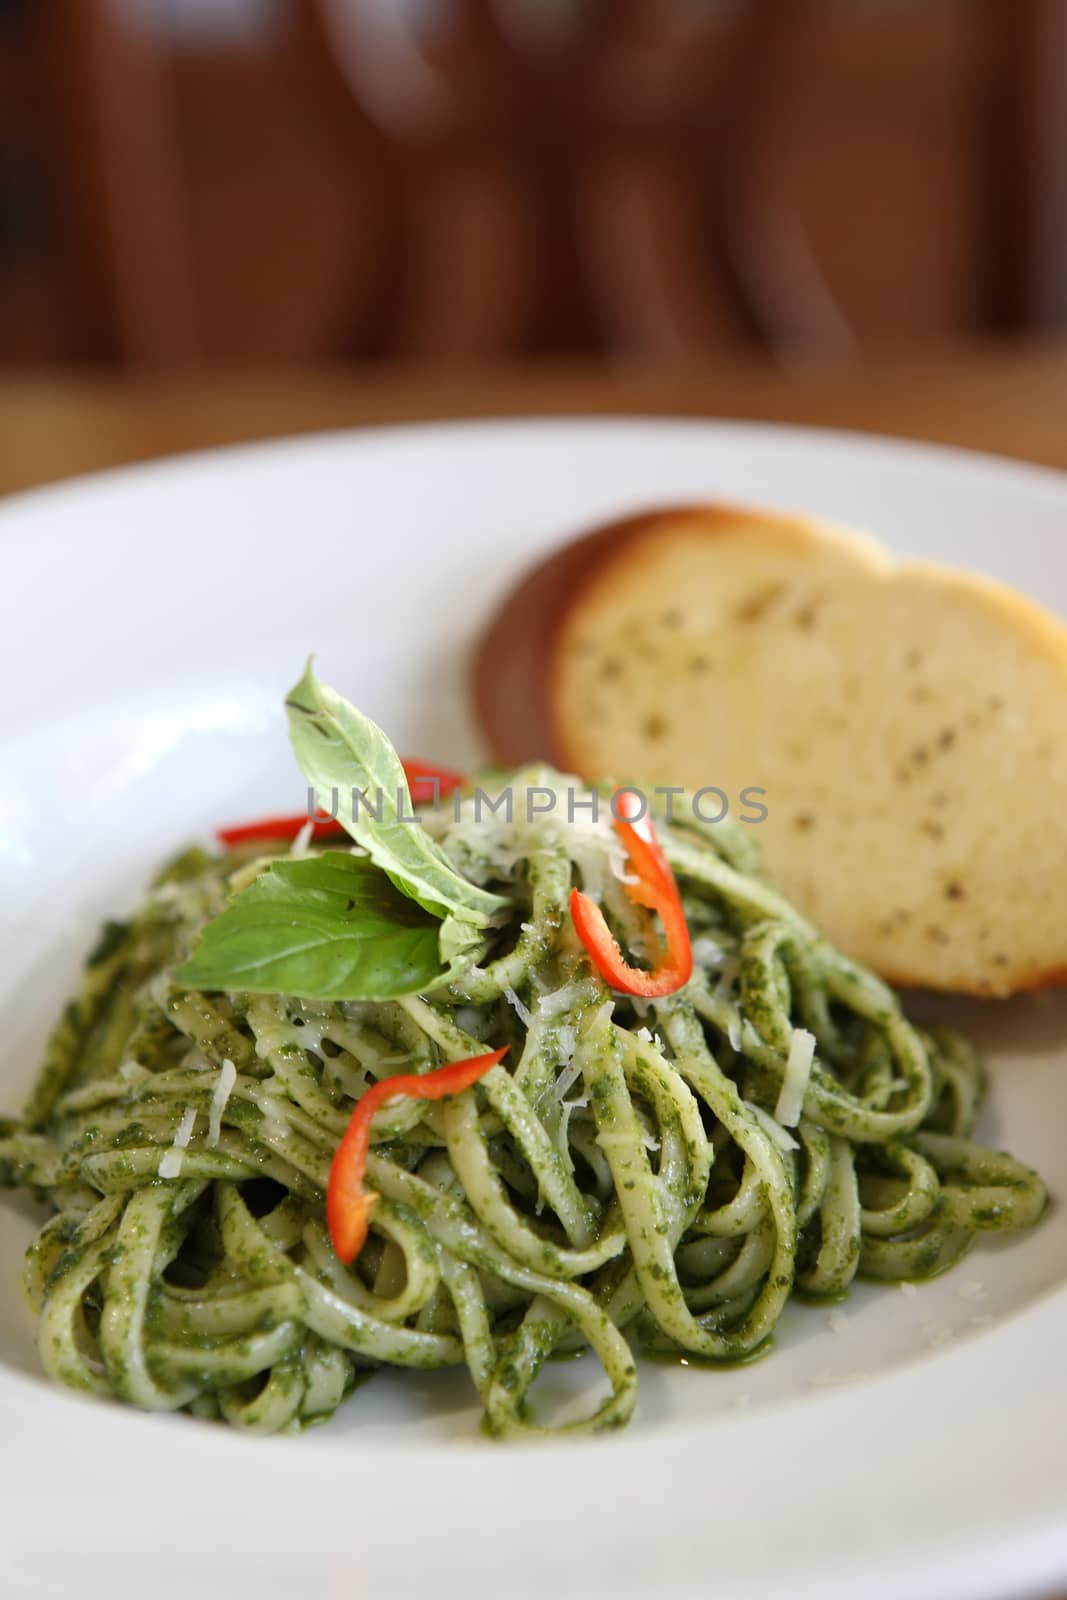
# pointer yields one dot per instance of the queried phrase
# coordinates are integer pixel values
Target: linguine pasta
(637, 1175)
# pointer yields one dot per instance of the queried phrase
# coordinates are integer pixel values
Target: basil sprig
(340, 749)
(395, 921)
(329, 927)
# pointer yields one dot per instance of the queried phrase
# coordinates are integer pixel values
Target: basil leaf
(338, 748)
(328, 927)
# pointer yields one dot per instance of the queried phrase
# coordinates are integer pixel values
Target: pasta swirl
(622, 1182)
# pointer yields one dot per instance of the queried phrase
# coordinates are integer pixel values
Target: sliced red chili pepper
(428, 784)
(656, 890)
(348, 1204)
(279, 828)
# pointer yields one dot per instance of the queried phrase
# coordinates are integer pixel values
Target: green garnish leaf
(339, 749)
(396, 920)
(327, 927)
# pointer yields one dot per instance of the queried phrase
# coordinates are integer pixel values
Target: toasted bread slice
(907, 722)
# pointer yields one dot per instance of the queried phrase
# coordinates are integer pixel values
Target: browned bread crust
(908, 722)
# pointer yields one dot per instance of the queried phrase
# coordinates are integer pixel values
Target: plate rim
(1033, 474)
(1046, 1560)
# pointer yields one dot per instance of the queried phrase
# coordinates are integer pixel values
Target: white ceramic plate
(152, 620)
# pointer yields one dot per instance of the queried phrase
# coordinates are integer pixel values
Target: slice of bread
(907, 722)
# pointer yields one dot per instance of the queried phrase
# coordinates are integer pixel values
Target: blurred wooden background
(918, 149)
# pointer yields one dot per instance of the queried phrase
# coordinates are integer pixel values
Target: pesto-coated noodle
(622, 1182)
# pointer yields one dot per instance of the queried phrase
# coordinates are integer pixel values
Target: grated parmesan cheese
(774, 1130)
(568, 1078)
(795, 1082)
(567, 1044)
(567, 1109)
(313, 1023)
(247, 874)
(170, 1162)
(299, 846)
(565, 999)
(223, 1089)
(274, 1035)
(524, 1014)
(157, 988)
(706, 951)
(731, 969)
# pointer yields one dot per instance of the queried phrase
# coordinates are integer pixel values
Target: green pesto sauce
(687, 1358)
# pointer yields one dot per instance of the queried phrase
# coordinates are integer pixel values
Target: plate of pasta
(422, 1167)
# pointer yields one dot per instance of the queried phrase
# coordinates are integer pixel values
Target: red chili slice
(427, 781)
(654, 889)
(348, 1204)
